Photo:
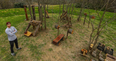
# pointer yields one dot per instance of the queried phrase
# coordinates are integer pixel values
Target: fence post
(26, 13)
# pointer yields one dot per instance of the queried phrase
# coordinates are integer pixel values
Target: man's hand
(14, 30)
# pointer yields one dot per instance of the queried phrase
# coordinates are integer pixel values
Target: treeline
(91, 4)
(5, 4)
(99, 4)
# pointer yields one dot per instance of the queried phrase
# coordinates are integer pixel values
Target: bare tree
(40, 12)
(63, 5)
(82, 5)
(29, 3)
(96, 30)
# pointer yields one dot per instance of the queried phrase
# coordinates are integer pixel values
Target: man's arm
(15, 30)
(9, 33)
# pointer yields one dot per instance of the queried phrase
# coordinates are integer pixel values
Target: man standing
(10, 31)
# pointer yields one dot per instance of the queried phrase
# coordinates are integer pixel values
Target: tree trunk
(98, 29)
(39, 8)
(84, 20)
(78, 19)
(34, 16)
(41, 16)
(89, 22)
(63, 7)
(30, 12)
(45, 15)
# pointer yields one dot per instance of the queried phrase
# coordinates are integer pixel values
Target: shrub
(19, 5)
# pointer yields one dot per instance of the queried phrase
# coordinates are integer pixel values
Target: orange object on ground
(28, 33)
(82, 50)
(47, 14)
(93, 17)
(58, 39)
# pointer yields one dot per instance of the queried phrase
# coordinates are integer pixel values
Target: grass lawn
(40, 48)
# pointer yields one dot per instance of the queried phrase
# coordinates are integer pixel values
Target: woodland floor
(40, 48)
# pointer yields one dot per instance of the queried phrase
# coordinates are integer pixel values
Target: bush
(19, 5)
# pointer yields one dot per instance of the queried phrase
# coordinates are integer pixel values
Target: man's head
(8, 24)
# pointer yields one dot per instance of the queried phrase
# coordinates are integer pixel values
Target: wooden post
(41, 15)
(34, 34)
(47, 6)
(26, 13)
(84, 20)
(34, 16)
(58, 32)
(45, 16)
(39, 8)
(30, 12)
(67, 35)
(63, 7)
(27, 27)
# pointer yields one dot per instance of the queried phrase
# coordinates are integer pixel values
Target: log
(27, 27)
(35, 23)
(34, 34)
(110, 56)
(63, 15)
(47, 14)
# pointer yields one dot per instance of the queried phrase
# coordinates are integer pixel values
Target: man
(10, 31)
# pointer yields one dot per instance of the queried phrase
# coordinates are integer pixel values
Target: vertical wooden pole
(84, 20)
(39, 8)
(40, 13)
(30, 12)
(34, 16)
(45, 15)
(26, 13)
(58, 32)
(67, 35)
(63, 7)
(47, 5)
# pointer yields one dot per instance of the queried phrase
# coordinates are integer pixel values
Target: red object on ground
(93, 17)
(82, 50)
(85, 14)
(56, 40)
(25, 32)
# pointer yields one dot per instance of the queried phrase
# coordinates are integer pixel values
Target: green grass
(50, 49)
(17, 19)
